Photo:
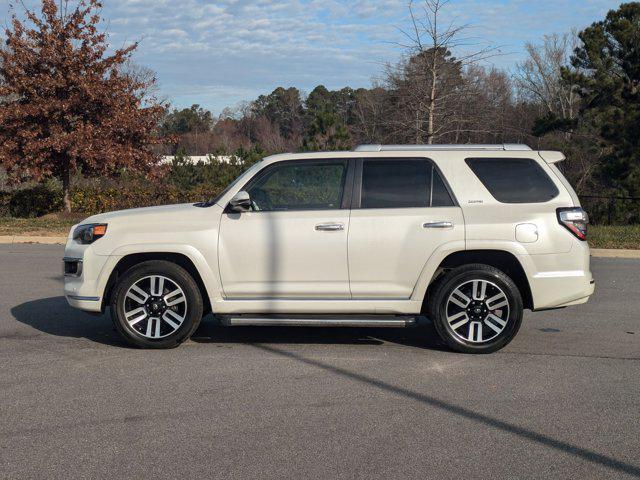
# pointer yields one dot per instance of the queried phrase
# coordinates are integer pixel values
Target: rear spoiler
(551, 156)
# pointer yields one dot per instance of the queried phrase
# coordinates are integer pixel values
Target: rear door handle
(330, 227)
(439, 224)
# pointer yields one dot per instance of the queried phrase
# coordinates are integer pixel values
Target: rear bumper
(560, 280)
(579, 301)
(561, 291)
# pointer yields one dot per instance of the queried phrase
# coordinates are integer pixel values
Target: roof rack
(471, 146)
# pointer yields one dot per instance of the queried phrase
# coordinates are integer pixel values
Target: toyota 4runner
(466, 235)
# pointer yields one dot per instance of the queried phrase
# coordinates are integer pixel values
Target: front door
(403, 212)
(293, 242)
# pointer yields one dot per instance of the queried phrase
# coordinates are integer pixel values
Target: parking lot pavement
(562, 401)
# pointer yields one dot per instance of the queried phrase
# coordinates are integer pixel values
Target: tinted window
(300, 186)
(514, 180)
(440, 195)
(402, 183)
(395, 183)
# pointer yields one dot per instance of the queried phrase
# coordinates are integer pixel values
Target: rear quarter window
(514, 180)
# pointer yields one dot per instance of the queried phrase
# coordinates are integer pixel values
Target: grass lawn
(614, 236)
(600, 236)
(53, 225)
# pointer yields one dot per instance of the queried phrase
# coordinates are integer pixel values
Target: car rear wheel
(156, 304)
(476, 308)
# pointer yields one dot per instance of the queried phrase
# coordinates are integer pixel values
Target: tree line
(66, 106)
(577, 92)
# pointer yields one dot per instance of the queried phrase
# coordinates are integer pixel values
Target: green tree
(338, 102)
(607, 77)
(187, 120)
(283, 107)
(327, 132)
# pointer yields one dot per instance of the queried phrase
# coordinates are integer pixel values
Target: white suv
(467, 235)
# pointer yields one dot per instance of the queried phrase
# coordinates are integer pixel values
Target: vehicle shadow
(54, 316)
(422, 335)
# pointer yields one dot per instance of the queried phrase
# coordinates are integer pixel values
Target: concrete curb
(614, 253)
(595, 252)
(33, 239)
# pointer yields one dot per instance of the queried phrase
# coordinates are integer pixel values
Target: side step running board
(320, 321)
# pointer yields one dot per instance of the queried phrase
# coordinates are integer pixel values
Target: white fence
(209, 158)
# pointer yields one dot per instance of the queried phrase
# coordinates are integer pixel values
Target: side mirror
(241, 202)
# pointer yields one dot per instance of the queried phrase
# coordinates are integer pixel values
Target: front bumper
(88, 304)
(85, 288)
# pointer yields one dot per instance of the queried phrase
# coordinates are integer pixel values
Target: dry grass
(614, 236)
(54, 224)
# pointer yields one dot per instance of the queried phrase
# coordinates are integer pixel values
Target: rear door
(403, 211)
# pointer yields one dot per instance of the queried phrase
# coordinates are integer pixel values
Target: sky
(218, 54)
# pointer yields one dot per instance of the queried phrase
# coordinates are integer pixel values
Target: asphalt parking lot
(562, 401)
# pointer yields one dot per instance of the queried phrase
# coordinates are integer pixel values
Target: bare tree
(485, 110)
(369, 115)
(539, 79)
(428, 84)
(540, 82)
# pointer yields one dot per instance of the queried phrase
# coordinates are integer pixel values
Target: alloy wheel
(477, 311)
(155, 306)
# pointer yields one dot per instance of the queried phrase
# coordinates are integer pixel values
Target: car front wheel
(476, 308)
(156, 304)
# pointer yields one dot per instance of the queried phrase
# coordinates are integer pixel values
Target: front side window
(300, 185)
(514, 180)
(402, 183)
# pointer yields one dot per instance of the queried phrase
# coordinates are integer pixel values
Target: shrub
(184, 182)
(5, 198)
(35, 201)
(130, 195)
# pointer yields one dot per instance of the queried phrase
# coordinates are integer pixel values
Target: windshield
(247, 172)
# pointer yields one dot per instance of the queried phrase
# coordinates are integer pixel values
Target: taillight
(574, 219)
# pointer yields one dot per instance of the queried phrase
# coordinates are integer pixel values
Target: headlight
(90, 232)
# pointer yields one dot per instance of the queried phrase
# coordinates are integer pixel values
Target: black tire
(440, 304)
(173, 274)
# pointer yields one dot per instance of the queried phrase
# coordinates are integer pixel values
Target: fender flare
(210, 279)
(443, 251)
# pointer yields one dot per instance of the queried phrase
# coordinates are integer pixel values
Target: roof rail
(470, 146)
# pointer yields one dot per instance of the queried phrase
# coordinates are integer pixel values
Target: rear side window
(402, 183)
(514, 180)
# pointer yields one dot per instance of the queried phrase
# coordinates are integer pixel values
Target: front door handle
(330, 227)
(440, 224)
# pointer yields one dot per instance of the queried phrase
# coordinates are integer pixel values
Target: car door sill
(386, 321)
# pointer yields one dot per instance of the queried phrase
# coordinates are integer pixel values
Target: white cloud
(218, 52)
